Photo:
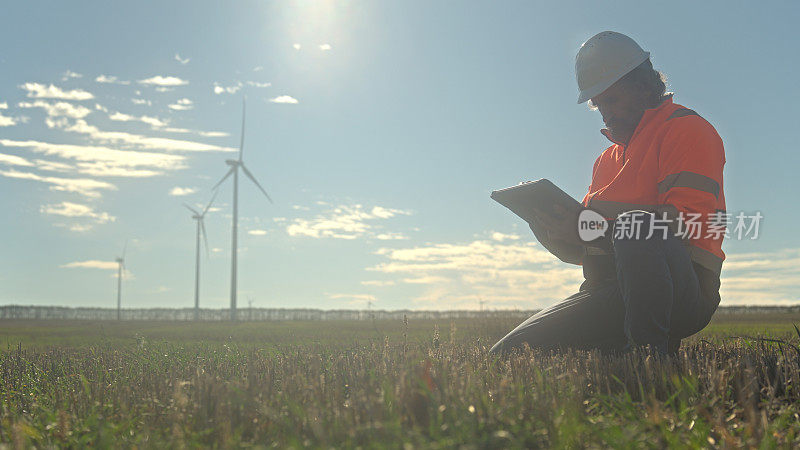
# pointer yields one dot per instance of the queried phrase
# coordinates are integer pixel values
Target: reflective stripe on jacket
(672, 164)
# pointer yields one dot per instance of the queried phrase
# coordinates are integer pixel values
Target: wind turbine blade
(191, 209)
(209, 204)
(241, 144)
(253, 179)
(225, 177)
(205, 237)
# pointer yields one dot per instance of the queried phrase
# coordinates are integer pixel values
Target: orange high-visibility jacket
(672, 164)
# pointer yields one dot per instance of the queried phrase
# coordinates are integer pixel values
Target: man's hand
(560, 227)
(564, 250)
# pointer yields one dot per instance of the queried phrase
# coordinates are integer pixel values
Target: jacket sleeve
(691, 160)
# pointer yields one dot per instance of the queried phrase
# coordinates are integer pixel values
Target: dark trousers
(646, 293)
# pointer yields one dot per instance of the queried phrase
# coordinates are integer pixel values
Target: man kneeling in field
(660, 185)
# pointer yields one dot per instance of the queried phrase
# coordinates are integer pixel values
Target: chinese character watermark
(715, 226)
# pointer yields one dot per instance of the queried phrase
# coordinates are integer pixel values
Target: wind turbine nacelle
(232, 162)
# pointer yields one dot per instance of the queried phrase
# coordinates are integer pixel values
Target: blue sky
(379, 129)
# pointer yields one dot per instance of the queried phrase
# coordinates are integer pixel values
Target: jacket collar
(647, 117)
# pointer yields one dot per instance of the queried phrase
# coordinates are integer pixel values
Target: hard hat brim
(600, 87)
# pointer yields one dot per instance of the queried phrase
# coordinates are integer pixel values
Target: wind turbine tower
(120, 266)
(201, 227)
(235, 165)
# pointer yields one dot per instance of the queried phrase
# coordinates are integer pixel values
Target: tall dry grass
(437, 388)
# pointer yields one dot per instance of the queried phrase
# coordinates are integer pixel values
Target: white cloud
(378, 283)
(103, 161)
(154, 122)
(284, 99)
(183, 61)
(13, 160)
(59, 109)
(135, 140)
(109, 79)
(163, 81)
(257, 232)
(296, 46)
(508, 274)
(219, 89)
(343, 222)
(181, 191)
(258, 85)
(761, 278)
(78, 227)
(258, 69)
(183, 104)
(500, 237)
(199, 132)
(391, 237)
(70, 74)
(83, 186)
(141, 101)
(54, 166)
(426, 280)
(91, 264)
(6, 121)
(213, 133)
(386, 213)
(77, 211)
(36, 90)
(325, 47)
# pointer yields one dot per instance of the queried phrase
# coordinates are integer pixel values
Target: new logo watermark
(591, 225)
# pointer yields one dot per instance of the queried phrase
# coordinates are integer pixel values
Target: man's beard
(622, 129)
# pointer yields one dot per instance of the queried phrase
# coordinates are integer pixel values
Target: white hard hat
(603, 60)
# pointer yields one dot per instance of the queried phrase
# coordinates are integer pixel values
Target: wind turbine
(236, 164)
(201, 227)
(120, 266)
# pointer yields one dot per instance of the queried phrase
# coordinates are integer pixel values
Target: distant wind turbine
(120, 267)
(201, 227)
(235, 165)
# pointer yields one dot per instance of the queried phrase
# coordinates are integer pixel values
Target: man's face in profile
(622, 106)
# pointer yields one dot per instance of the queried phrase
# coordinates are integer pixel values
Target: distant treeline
(267, 314)
(244, 314)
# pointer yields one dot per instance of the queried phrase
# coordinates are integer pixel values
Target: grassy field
(423, 384)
